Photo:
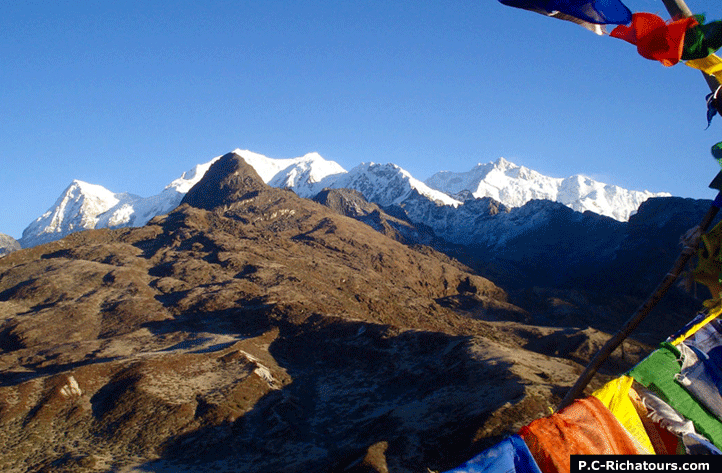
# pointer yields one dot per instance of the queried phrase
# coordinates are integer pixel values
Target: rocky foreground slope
(252, 330)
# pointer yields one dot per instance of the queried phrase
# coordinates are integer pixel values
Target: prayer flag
(702, 40)
(711, 65)
(616, 396)
(601, 12)
(711, 109)
(511, 455)
(585, 427)
(658, 372)
(656, 39)
(717, 152)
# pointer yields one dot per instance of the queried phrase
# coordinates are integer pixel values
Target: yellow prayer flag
(711, 65)
(615, 396)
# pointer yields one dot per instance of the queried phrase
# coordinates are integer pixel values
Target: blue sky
(131, 94)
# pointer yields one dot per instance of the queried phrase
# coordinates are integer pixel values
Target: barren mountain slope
(253, 330)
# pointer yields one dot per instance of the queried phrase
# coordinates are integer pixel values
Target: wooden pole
(677, 8)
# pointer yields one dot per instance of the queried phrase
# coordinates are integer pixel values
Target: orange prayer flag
(585, 427)
(656, 39)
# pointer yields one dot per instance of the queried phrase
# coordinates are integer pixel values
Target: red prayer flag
(656, 39)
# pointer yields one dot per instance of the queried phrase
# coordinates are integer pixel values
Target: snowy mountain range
(454, 205)
(515, 185)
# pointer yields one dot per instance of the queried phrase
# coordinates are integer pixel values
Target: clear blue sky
(129, 94)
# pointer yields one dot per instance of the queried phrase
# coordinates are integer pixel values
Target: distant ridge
(433, 203)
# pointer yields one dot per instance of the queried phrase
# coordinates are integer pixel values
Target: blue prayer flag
(511, 455)
(600, 12)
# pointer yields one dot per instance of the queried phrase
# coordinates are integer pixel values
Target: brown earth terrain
(253, 330)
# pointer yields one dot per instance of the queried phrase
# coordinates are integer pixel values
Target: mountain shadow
(354, 385)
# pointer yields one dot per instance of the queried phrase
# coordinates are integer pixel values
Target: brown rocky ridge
(253, 330)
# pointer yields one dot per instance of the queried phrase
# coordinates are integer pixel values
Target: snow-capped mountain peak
(306, 175)
(514, 186)
(388, 184)
(310, 168)
(77, 208)
(190, 178)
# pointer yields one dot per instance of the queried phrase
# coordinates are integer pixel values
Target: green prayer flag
(657, 372)
(702, 40)
(717, 152)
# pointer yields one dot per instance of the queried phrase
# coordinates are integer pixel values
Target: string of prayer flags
(702, 40)
(689, 39)
(656, 39)
(590, 14)
(669, 403)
